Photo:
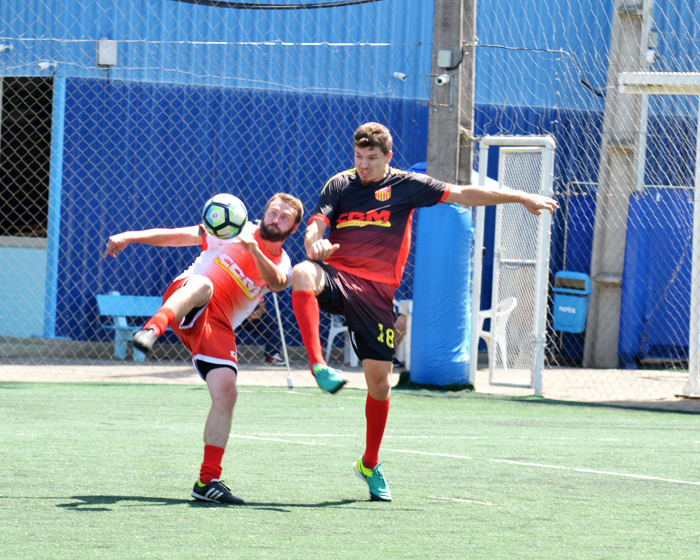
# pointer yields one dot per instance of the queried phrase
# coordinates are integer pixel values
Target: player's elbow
(278, 284)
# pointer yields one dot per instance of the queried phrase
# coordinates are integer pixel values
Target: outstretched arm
(177, 237)
(472, 195)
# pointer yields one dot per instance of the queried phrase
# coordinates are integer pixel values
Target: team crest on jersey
(383, 194)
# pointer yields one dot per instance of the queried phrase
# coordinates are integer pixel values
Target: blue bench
(119, 308)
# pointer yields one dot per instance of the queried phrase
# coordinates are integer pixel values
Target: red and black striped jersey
(372, 223)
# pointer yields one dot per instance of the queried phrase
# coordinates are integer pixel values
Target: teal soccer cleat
(378, 488)
(328, 379)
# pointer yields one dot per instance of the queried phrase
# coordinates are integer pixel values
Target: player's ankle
(160, 322)
(370, 464)
(319, 363)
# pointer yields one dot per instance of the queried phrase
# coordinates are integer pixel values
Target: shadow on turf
(405, 384)
(100, 503)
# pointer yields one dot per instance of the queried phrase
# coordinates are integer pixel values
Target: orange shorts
(206, 332)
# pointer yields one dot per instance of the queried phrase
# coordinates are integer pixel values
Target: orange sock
(211, 466)
(306, 311)
(161, 321)
(376, 413)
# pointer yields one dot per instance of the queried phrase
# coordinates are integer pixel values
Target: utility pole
(451, 126)
(441, 318)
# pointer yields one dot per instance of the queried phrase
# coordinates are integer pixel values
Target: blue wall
(329, 50)
(534, 78)
(22, 277)
(138, 139)
(132, 150)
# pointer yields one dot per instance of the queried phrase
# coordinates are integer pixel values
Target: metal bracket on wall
(440, 91)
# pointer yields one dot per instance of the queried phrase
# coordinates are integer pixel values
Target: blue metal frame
(54, 217)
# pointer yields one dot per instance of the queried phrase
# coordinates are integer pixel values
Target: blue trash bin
(572, 292)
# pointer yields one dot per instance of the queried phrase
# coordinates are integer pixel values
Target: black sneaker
(144, 340)
(215, 491)
(398, 364)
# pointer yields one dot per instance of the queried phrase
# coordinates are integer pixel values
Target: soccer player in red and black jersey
(356, 269)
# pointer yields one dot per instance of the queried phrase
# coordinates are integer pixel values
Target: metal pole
(476, 269)
(692, 387)
(543, 240)
(53, 235)
(290, 380)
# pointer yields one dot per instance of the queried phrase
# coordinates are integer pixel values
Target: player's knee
(383, 387)
(206, 288)
(222, 386)
(226, 394)
(304, 276)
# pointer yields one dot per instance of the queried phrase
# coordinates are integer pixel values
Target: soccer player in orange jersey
(204, 305)
(356, 269)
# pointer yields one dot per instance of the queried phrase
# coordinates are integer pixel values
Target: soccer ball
(224, 216)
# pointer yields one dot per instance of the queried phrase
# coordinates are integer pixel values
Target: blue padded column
(442, 296)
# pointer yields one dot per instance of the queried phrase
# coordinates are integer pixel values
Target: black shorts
(203, 368)
(368, 308)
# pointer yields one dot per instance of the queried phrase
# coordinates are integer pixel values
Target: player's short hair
(373, 135)
(293, 201)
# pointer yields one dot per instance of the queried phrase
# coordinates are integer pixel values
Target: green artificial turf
(106, 470)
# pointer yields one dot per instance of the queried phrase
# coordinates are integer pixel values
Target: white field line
(592, 471)
(506, 461)
(461, 500)
(428, 453)
(275, 439)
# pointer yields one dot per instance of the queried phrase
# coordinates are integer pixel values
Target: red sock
(211, 466)
(161, 321)
(376, 413)
(306, 311)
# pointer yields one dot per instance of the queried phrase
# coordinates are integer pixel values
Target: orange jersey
(238, 286)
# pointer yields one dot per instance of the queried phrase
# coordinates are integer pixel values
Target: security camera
(442, 80)
(400, 76)
(651, 56)
(45, 65)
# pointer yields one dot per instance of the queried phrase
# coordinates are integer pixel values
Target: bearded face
(279, 221)
(272, 231)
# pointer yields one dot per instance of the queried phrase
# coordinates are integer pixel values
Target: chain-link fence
(120, 116)
(129, 115)
(624, 176)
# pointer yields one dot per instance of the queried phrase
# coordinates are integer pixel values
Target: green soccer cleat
(378, 488)
(329, 379)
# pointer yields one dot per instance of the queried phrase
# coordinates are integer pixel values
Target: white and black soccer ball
(224, 216)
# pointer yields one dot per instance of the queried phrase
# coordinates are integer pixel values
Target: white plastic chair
(337, 327)
(500, 321)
